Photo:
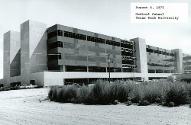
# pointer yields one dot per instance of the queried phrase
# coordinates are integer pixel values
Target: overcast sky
(109, 17)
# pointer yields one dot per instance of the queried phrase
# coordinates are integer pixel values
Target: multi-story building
(59, 54)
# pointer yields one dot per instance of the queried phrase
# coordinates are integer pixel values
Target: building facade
(59, 54)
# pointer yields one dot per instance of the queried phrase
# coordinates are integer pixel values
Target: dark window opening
(151, 71)
(96, 69)
(54, 56)
(76, 69)
(128, 69)
(32, 82)
(55, 45)
(112, 69)
(52, 34)
(1, 85)
(15, 85)
(74, 35)
(60, 33)
(127, 53)
(127, 62)
(166, 71)
(159, 71)
(55, 33)
(55, 68)
(113, 43)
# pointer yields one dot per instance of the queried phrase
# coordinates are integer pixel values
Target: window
(59, 44)
(55, 45)
(32, 82)
(74, 35)
(52, 34)
(55, 33)
(60, 33)
(100, 40)
(88, 38)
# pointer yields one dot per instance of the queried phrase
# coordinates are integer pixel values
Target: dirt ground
(27, 107)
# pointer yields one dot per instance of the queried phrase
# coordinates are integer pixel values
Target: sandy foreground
(22, 107)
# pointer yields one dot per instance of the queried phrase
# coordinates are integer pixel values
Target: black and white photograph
(95, 62)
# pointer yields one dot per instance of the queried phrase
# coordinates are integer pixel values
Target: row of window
(128, 62)
(160, 52)
(126, 53)
(127, 49)
(125, 44)
(162, 65)
(160, 71)
(74, 35)
(129, 66)
(128, 57)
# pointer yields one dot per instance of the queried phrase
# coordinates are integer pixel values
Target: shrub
(52, 93)
(116, 102)
(102, 92)
(128, 103)
(144, 103)
(119, 91)
(171, 104)
(83, 94)
(150, 91)
(135, 94)
(188, 89)
(177, 94)
(65, 93)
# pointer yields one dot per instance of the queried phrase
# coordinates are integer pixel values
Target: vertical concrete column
(11, 58)
(25, 48)
(33, 48)
(15, 48)
(64, 68)
(178, 60)
(6, 54)
(141, 57)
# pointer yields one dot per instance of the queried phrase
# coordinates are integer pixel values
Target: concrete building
(59, 55)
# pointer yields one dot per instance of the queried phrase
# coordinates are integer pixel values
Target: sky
(109, 17)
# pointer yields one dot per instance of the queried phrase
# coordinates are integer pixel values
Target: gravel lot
(28, 107)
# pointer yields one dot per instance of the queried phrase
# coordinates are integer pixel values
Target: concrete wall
(6, 55)
(33, 47)
(57, 78)
(141, 57)
(186, 63)
(11, 54)
(178, 60)
(25, 48)
(15, 54)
